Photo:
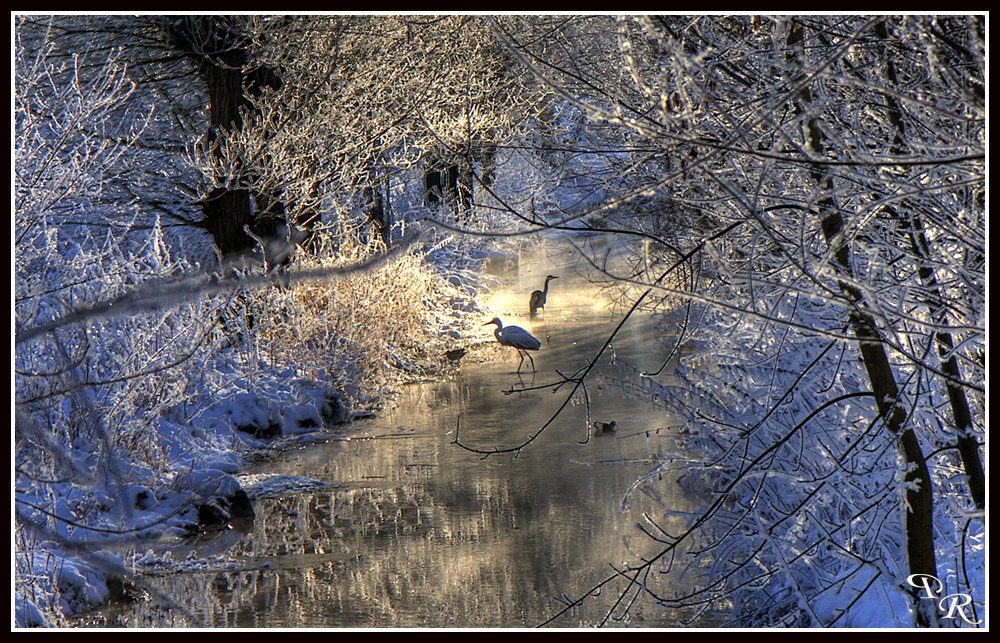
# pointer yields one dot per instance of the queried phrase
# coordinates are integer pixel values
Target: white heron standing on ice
(518, 338)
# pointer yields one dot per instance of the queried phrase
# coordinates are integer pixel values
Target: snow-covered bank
(817, 212)
(249, 398)
(806, 512)
(145, 375)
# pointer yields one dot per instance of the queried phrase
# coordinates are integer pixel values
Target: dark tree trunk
(489, 159)
(450, 182)
(227, 211)
(378, 213)
(433, 183)
(919, 525)
(968, 447)
(219, 50)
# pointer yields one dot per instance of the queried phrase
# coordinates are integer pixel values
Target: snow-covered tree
(140, 368)
(822, 181)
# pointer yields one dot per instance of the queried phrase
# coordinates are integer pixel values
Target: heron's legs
(530, 359)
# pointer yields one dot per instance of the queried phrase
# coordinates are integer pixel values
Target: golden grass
(374, 329)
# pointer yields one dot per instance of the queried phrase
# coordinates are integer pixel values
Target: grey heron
(518, 338)
(538, 297)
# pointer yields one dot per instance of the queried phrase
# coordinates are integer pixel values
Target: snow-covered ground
(142, 389)
(143, 385)
(182, 469)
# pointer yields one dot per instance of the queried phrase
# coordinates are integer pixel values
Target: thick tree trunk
(216, 45)
(227, 211)
(919, 506)
(451, 183)
(968, 447)
(433, 185)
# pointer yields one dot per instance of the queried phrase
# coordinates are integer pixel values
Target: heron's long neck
(545, 291)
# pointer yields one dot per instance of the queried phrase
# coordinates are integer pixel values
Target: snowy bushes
(373, 329)
(141, 377)
(89, 396)
(826, 177)
(808, 526)
(820, 180)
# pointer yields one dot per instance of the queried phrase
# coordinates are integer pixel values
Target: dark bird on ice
(518, 338)
(455, 354)
(604, 427)
(538, 297)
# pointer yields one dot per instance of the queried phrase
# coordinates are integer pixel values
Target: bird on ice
(605, 427)
(518, 338)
